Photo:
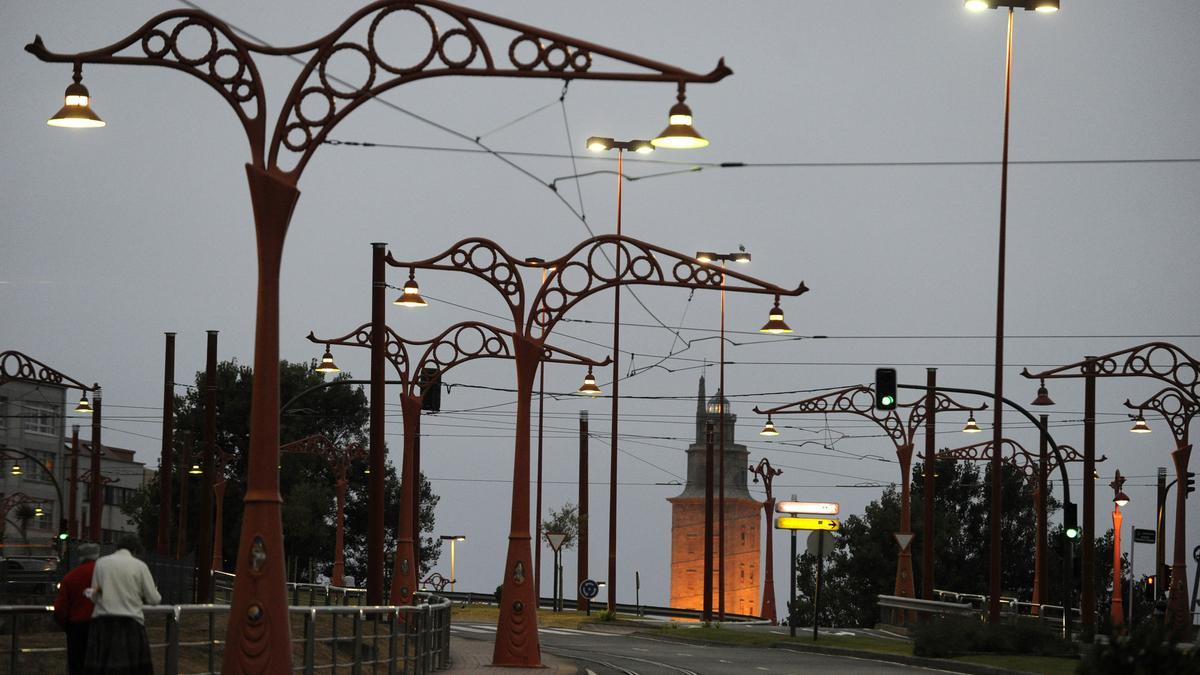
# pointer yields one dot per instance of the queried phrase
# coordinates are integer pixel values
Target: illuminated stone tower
(742, 520)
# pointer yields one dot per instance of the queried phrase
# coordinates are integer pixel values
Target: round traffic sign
(589, 589)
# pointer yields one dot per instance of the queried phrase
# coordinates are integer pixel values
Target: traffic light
(63, 533)
(1189, 483)
(1070, 521)
(430, 383)
(1148, 592)
(885, 388)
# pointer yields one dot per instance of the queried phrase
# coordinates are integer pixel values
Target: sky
(876, 128)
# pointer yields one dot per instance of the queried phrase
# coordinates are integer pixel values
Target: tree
(863, 565)
(311, 406)
(563, 521)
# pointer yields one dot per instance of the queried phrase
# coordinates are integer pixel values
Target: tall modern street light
(258, 634)
(997, 406)
(708, 258)
(453, 539)
(674, 136)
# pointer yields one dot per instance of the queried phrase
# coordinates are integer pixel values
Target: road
(623, 654)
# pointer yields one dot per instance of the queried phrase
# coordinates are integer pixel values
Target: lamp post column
(708, 523)
(1179, 614)
(97, 491)
(1117, 613)
(930, 463)
(904, 577)
(339, 562)
(1087, 597)
(377, 452)
(998, 399)
(404, 571)
(163, 545)
(185, 457)
(218, 539)
(582, 557)
(204, 539)
(616, 398)
(73, 505)
(1040, 575)
(517, 636)
(721, 461)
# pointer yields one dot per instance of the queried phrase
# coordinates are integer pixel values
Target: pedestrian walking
(121, 585)
(73, 609)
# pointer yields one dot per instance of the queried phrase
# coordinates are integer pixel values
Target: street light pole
(97, 488)
(163, 544)
(709, 257)
(204, 540)
(997, 407)
(1120, 499)
(767, 473)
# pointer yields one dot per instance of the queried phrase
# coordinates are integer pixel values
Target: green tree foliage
(863, 566)
(339, 412)
(563, 521)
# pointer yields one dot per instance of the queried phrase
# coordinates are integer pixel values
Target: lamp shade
(775, 324)
(1043, 396)
(589, 388)
(769, 428)
(971, 427)
(1121, 499)
(195, 470)
(84, 406)
(1139, 425)
(327, 365)
(76, 112)
(411, 297)
(16, 469)
(680, 133)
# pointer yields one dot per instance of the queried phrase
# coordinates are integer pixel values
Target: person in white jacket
(121, 585)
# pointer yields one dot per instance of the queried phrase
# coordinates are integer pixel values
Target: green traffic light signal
(62, 536)
(887, 401)
(1072, 533)
(1071, 521)
(885, 388)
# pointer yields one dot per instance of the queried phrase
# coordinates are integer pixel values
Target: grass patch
(546, 619)
(1053, 665)
(763, 639)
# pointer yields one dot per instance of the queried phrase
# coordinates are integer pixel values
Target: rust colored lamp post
(1043, 6)
(458, 344)
(516, 636)
(1178, 410)
(258, 635)
(220, 462)
(339, 458)
(860, 401)
(767, 473)
(1119, 499)
(1036, 471)
(96, 483)
(1165, 362)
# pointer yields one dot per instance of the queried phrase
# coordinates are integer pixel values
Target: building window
(3, 412)
(41, 419)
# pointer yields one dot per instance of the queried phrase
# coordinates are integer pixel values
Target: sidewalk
(475, 656)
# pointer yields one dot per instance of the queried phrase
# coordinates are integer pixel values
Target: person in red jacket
(73, 610)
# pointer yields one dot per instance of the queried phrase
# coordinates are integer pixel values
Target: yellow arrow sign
(792, 523)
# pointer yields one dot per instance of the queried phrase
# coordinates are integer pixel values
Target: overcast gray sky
(113, 236)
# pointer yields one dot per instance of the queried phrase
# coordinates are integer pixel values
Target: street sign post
(1143, 536)
(819, 541)
(589, 589)
(556, 541)
(802, 518)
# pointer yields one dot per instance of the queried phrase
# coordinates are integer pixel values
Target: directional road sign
(796, 523)
(1142, 536)
(589, 589)
(903, 539)
(815, 508)
(821, 543)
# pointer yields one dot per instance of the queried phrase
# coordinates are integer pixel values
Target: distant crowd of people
(99, 605)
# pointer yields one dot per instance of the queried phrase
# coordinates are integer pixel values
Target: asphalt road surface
(616, 654)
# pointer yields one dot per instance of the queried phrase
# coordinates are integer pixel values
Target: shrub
(1147, 650)
(607, 615)
(943, 637)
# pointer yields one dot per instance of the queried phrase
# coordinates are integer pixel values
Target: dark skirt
(117, 645)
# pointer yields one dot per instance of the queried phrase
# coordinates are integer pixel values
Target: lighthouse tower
(742, 519)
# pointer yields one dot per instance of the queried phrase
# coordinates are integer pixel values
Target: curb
(935, 664)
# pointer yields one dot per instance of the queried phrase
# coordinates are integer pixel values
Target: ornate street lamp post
(516, 636)
(860, 401)
(1036, 472)
(997, 408)
(339, 458)
(767, 473)
(1165, 362)
(1119, 499)
(221, 461)
(458, 344)
(258, 635)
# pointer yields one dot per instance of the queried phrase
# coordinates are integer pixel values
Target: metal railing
(298, 594)
(1044, 611)
(189, 639)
